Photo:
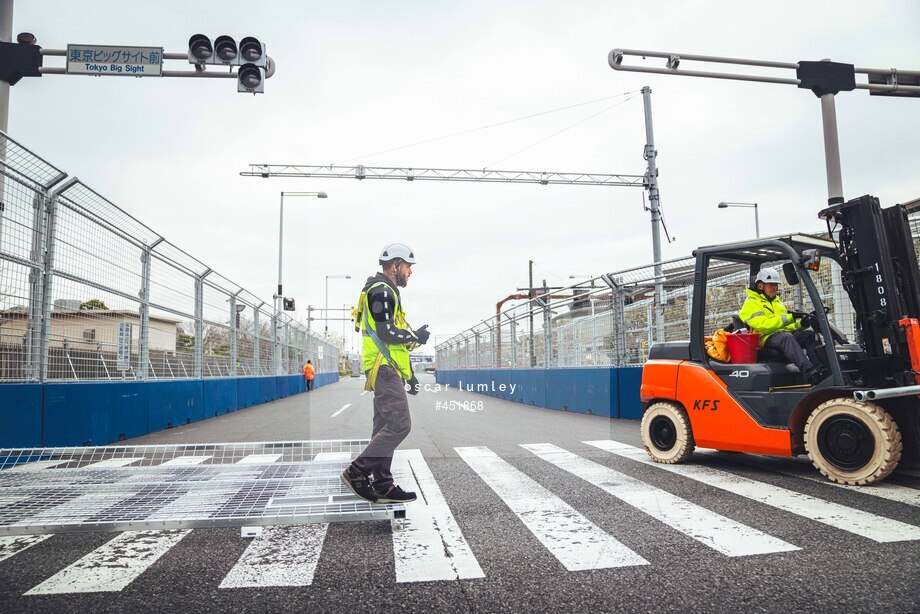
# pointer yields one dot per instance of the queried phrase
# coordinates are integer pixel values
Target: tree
(92, 305)
(184, 342)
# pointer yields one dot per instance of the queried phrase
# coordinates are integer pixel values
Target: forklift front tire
(666, 433)
(852, 442)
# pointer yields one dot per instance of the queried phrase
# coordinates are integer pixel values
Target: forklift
(856, 424)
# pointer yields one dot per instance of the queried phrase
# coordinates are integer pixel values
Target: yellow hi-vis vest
(767, 317)
(372, 348)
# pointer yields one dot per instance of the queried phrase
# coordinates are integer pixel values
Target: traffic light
(252, 66)
(200, 49)
(250, 79)
(288, 304)
(18, 60)
(249, 56)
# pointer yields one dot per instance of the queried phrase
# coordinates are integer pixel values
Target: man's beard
(401, 280)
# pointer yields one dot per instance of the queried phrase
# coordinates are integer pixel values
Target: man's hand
(423, 334)
(798, 315)
(809, 320)
(412, 386)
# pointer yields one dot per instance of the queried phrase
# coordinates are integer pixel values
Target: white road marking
(187, 460)
(574, 540)
(39, 465)
(711, 529)
(258, 459)
(113, 462)
(884, 490)
(14, 544)
(113, 565)
(430, 545)
(281, 556)
(333, 457)
(871, 526)
(347, 405)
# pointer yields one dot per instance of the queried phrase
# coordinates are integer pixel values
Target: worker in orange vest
(309, 373)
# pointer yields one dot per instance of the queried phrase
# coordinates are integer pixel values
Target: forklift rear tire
(666, 433)
(852, 442)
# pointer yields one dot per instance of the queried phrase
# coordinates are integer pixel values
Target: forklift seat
(763, 354)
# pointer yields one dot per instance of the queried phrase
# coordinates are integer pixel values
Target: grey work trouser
(798, 348)
(391, 426)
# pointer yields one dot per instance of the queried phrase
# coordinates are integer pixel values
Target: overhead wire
(557, 133)
(487, 126)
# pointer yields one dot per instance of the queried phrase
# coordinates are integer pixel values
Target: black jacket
(382, 304)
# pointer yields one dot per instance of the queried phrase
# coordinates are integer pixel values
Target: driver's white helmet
(397, 250)
(768, 276)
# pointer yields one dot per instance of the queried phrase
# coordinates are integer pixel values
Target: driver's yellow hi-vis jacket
(761, 315)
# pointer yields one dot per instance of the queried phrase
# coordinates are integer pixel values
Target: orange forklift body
(716, 418)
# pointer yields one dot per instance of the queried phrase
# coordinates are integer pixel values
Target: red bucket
(742, 348)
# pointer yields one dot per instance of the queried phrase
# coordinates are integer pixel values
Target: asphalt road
(573, 527)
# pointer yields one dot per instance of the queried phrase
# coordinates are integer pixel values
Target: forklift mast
(879, 272)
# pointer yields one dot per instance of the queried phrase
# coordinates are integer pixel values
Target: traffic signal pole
(825, 79)
(831, 149)
(6, 36)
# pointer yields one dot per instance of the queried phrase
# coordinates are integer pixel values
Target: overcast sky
(360, 77)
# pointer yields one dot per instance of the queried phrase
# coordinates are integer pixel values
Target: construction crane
(649, 181)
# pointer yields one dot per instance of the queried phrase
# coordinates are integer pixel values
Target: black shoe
(817, 376)
(394, 494)
(358, 483)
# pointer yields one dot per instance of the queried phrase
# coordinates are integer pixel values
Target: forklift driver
(763, 312)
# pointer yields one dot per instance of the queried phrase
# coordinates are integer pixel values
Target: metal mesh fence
(612, 320)
(88, 292)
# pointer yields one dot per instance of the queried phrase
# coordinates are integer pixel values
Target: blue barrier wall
(603, 391)
(97, 413)
(21, 415)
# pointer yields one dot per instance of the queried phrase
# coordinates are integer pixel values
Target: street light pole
(279, 295)
(726, 205)
(591, 277)
(326, 311)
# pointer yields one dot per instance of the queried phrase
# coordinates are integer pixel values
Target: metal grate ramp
(118, 488)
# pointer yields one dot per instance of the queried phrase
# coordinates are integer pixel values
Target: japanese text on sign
(120, 61)
(124, 346)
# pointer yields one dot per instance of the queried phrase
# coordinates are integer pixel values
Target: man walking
(387, 340)
(309, 373)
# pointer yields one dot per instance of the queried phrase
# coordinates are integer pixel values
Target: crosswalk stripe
(871, 526)
(333, 457)
(280, 556)
(883, 490)
(39, 465)
(574, 540)
(112, 462)
(112, 566)
(187, 460)
(14, 544)
(714, 530)
(258, 459)
(430, 545)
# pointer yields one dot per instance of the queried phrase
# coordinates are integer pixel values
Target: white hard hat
(768, 276)
(397, 250)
